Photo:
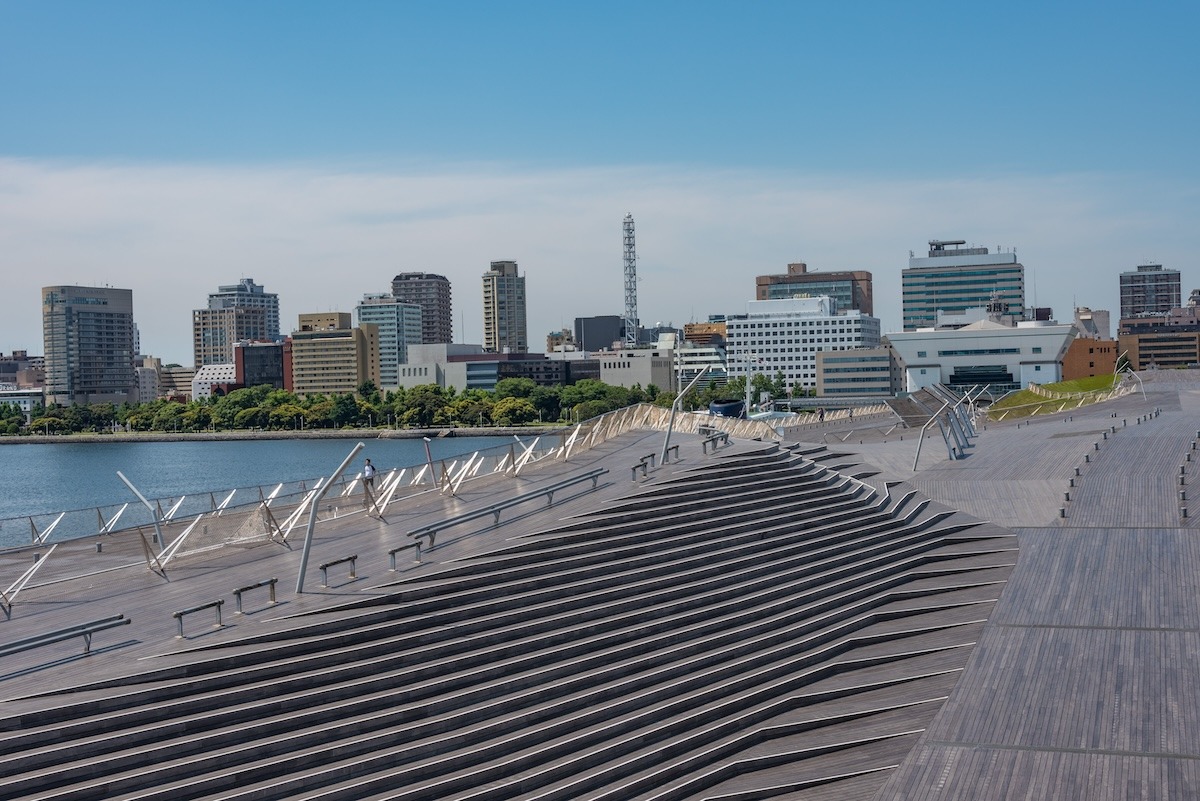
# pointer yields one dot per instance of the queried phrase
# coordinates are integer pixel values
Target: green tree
(513, 411)
(515, 388)
(345, 410)
(548, 402)
(424, 402)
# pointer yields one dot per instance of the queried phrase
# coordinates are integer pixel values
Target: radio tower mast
(631, 317)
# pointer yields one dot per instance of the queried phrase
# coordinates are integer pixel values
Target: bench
(352, 559)
(237, 594)
(392, 553)
(210, 605)
(646, 462)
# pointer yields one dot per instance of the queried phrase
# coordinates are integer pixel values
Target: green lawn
(1024, 403)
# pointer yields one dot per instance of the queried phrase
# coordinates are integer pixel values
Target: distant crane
(631, 315)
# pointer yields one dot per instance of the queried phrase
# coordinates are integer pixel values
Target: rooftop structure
(751, 620)
(248, 295)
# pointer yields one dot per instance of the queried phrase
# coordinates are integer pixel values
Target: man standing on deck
(368, 483)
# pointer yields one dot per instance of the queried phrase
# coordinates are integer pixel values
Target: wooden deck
(1086, 681)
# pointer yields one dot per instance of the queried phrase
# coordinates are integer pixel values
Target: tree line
(514, 402)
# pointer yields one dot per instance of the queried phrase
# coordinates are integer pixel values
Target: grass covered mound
(1065, 395)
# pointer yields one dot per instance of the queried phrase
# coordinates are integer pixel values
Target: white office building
(983, 353)
(785, 336)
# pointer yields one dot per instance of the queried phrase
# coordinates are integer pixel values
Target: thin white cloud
(322, 235)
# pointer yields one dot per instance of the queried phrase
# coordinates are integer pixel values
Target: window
(1037, 350)
(921, 355)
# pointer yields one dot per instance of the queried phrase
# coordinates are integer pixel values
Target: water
(45, 479)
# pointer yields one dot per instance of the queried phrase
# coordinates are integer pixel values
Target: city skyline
(206, 145)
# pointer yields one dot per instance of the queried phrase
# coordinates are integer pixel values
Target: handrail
(237, 594)
(921, 436)
(85, 630)
(324, 568)
(431, 530)
(210, 605)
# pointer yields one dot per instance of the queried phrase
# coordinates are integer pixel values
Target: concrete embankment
(339, 433)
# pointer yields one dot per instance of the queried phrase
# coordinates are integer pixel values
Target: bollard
(1183, 481)
(1067, 497)
(99, 547)
(1183, 511)
(1087, 457)
(1077, 472)
(1062, 511)
(1096, 445)
(37, 557)
(1072, 483)
(1105, 433)
(1182, 495)
(1182, 469)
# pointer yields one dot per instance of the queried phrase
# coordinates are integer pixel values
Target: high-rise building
(432, 293)
(504, 329)
(248, 295)
(953, 279)
(330, 357)
(399, 327)
(216, 331)
(1149, 291)
(236, 313)
(850, 289)
(89, 342)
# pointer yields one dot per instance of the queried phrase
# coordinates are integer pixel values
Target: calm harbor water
(44, 479)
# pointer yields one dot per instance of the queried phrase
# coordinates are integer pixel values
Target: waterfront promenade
(1050, 652)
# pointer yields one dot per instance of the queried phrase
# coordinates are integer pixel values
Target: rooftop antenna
(631, 333)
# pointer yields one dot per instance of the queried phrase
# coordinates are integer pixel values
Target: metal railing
(431, 530)
(85, 630)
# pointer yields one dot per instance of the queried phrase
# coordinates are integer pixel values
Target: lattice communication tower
(631, 318)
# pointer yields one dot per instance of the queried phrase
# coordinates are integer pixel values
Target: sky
(322, 148)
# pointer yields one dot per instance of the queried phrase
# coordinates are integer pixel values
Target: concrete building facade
(1005, 357)
(1150, 290)
(330, 356)
(866, 372)
(504, 326)
(953, 279)
(432, 293)
(850, 289)
(216, 331)
(785, 336)
(259, 363)
(88, 334)
(246, 294)
(400, 327)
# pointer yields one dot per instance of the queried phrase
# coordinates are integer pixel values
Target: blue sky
(321, 148)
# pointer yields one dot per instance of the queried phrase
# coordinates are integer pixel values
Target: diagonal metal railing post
(312, 514)
(675, 407)
(155, 511)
